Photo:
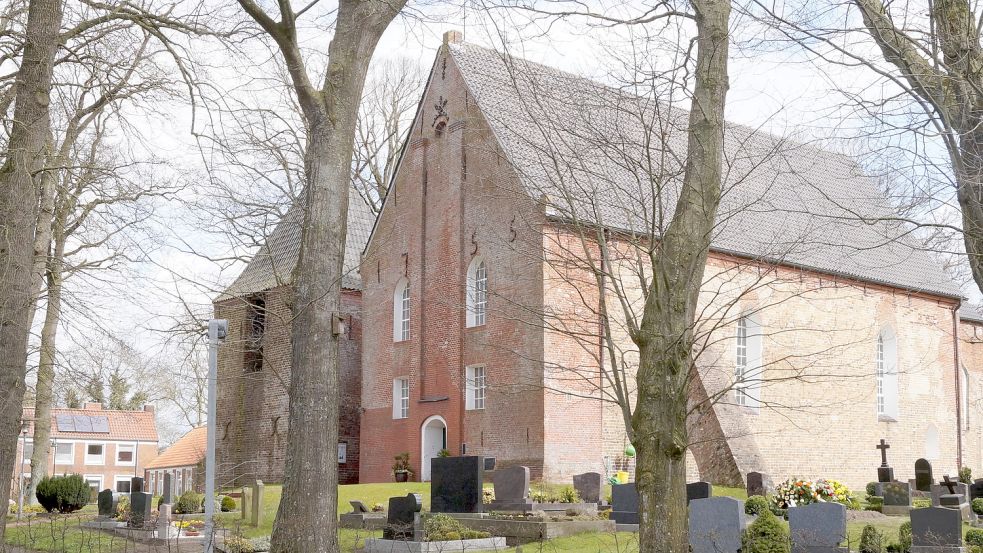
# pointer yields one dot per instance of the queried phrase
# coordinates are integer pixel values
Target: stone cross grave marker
(698, 490)
(511, 484)
(167, 496)
(107, 503)
(141, 504)
(588, 486)
(943, 488)
(455, 484)
(817, 528)
(923, 475)
(755, 484)
(897, 498)
(884, 472)
(716, 524)
(403, 518)
(358, 506)
(936, 530)
(624, 503)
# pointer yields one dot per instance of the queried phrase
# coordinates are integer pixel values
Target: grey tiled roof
(274, 263)
(597, 153)
(971, 312)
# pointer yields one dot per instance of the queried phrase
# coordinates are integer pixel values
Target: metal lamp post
(217, 329)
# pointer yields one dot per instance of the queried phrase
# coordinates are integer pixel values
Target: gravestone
(715, 524)
(107, 503)
(897, 498)
(976, 489)
(952, 495)
(884, 472)
(940, 489)
(511, 484)
(923, 475)
(163, 520)
(817, 528)
(698, 490)
(588, 486)
(624, 503)
(455, 484)
(936, 530)
(136, 484)
(403, 520)
(246, 502)
(141, 504)
(256, 510)
(167, 497)
(489, 464)
(358, 506)
(756, 484)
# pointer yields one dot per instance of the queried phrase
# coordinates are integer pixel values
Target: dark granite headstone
(136, 484)
(957, 488)
(511, 484)
(884, 472)
(976, 489)
(588, 486)
(923, 475)
(817, 528)
(897, 498)
(936, 527)
(140, 505)
(624, 503)
(166, 496)
(756, 484)
(489, 464)
(107, 503)
(404, 514)
(455, 485)
(358, 506)
(698, 490)
(715, 524)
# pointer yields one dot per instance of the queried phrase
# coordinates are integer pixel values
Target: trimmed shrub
(568, 495)
(871, 540)
(189, 502)
(874, 503)
(966, 475)
(921, 503)
(974, 536)
(65, 494)
(755, 505)
(871, 488)
(978, 505)
(238, 544)
(767, 534)
(445, 528)
(228, 504)
(904, 537)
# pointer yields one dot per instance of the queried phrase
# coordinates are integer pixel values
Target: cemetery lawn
(63, 534)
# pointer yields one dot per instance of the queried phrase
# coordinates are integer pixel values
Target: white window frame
(476, 389)
(477, 292)
(25, 457)
(70, 460)
(401, 398)
(401, 311)
(133, 449)
(98, 477)
(120, 478)
(886, 371)
(748, 365)
(92, 460)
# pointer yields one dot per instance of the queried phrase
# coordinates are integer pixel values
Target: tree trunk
(306, 520)
(665, 335)
(44, 389)
(969, 191)
(18, 215)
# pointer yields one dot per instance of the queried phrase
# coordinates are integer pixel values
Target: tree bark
(311, 470)
(18, 216)
(665, 335)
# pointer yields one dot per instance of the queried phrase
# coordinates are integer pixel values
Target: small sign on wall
(342, 453)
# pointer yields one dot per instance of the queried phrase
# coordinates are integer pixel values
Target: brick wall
(253, 406)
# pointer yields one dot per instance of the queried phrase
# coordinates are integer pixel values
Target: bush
(978, 505)
(123, 508)
(871, 489)
(921, 503)
(65, 494)
(228, 504)
(755, 505)
(445, 528)
(974, 536)
(874, 503)
(798, 491)
(568, 495)
(904, 537)
(767, 534)
(966, 475)
(238, 544)
(871, 540)
(189, 502)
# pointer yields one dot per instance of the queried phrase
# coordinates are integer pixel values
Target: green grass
(62, 533)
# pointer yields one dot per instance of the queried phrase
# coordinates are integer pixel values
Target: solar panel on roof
(66, 423)
(100, 424)
(83, 423)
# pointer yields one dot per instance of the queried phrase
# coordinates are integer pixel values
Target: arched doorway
(433, 438)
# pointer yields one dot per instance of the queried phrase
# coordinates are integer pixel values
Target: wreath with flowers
(800, 491)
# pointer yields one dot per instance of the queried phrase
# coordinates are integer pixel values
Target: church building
(494, 300)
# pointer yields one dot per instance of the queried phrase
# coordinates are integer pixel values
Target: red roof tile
(186, 452)
(123, 425)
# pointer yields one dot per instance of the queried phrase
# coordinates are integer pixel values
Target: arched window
(401, 311)
(477, 296)
(747, 362)
(887, 375)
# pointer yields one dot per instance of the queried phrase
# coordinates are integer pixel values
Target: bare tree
(330, 114)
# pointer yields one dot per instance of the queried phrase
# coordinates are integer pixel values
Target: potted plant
(401, 468)
(623, 474)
